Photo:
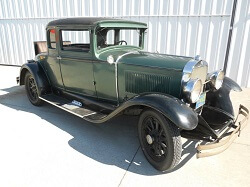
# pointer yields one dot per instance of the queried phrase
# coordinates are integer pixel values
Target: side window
(131, 36)
(75, 40)
(110, 37)
(52, 39)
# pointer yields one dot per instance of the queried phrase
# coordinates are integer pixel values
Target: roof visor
(117, 24)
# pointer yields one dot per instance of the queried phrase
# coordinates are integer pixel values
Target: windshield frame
(141, 39)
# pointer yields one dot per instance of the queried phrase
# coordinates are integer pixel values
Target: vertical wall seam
(230, 35)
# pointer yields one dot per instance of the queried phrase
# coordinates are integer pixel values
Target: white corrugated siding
(175, 27)
(239, 56)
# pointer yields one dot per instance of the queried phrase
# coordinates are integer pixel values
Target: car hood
(142, 58)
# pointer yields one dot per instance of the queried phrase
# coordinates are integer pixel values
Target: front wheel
(31, 89)
(160, 140)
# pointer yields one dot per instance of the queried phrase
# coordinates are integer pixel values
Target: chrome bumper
(227, 138)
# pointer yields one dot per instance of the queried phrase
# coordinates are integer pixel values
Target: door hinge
(94, 83)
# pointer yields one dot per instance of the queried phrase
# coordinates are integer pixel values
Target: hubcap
(149, 139)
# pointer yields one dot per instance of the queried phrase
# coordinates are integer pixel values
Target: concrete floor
(45, 146)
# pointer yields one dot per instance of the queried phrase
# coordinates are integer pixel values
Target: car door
(105, 75)
(105, 81)
(76, 61)
(53, 64)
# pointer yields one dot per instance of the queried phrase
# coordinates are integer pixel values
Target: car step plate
(68, 106)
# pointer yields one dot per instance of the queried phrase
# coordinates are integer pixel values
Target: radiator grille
(142, 82)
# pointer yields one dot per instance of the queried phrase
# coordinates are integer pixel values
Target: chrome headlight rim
(216, 79)
(193, 90)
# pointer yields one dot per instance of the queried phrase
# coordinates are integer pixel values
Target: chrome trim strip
(116, 82)
(130, 52)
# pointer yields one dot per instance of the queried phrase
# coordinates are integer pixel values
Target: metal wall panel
(239, 56)
(175, 27)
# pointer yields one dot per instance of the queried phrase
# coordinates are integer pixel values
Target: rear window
(75, 40)
(52, 39)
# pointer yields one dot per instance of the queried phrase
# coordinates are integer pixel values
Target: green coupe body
(96, 68)
(88, 72)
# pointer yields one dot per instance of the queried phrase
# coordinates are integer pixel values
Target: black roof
(83, 21)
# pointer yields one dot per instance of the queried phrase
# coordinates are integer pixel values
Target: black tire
(161, 144)
(31, 90)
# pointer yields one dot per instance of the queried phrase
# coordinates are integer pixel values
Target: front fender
(175, 110)
(221, 98)
(39, 75)
(172, 108)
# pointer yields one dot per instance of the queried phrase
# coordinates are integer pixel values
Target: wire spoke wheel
(32, 90)
(160, 140)
(154, 138)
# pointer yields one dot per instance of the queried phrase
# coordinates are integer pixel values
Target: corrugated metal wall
(239, 56)
(175, 27)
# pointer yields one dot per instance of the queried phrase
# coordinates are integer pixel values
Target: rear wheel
(160, 140)
(31, 89)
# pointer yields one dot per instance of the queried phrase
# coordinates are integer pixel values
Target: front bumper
(226, 133)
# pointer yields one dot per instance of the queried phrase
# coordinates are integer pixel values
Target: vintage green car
(96, 69)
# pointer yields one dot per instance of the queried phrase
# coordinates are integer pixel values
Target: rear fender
(39, 75)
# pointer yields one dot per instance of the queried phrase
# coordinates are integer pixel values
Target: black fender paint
(39, 75)
(175, 110)
(221, 98)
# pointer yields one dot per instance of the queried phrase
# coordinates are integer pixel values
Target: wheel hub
(149, 139)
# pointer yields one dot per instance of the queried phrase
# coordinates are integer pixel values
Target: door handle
(59, 58)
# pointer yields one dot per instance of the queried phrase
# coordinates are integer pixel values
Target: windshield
(107, 37)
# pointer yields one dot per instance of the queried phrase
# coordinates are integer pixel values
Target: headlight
(216, 79)
(193, 89)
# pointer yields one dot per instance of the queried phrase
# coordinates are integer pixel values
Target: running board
(71, 107)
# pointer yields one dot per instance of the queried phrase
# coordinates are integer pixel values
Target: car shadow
(114, 142)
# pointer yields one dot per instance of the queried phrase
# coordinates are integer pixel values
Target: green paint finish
(104, 75)
(52, 68)
(167, 68)
(139, 82)
(141, 58)
(77, 75)
(161, 80)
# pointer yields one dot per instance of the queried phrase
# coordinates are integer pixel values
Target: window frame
(74, 29)
(117, 33)
(114, 37)
(49, 39)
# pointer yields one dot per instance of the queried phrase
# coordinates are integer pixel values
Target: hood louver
(141, 82)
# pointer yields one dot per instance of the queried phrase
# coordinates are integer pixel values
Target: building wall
(179, 27)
